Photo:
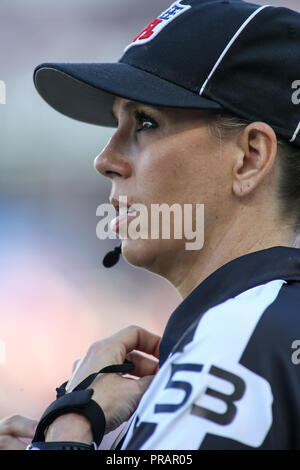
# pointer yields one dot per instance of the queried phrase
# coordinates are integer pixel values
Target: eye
(145, 121)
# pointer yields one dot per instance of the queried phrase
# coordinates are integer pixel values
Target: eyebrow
(129, 106)
(126, 107)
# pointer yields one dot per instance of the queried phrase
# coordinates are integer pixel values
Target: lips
(122, 207)
(124, 211)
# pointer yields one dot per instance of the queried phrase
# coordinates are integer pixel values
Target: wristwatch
(78, 401)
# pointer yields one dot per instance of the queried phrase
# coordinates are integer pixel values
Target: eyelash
(141, 118)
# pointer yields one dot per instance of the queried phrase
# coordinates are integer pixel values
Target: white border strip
(230, 44)
(295, 133)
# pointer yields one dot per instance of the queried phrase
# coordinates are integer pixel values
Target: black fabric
(259, 42)
(77, 402)
(61, 445)
(176, 51)
(124, 368)
(86, 92)
(268, 354)
(250, 67)
(228, 281)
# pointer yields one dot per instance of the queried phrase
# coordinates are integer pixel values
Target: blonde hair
(224, 125)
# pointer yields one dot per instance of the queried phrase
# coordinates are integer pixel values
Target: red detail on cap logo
(148, 31)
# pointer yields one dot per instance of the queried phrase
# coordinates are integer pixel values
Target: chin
(152, 255)
(139, 253)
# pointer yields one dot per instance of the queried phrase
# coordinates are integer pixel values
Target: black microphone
(112, 257)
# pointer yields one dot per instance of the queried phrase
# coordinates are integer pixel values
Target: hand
(12, 429)
(117, 395)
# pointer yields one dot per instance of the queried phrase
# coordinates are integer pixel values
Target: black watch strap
(124, 368)
(61, 445)
(77, 402)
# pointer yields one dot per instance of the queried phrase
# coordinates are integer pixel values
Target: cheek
(181, 171)
(159, 174)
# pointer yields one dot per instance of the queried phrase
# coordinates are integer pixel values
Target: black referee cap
(207, 54)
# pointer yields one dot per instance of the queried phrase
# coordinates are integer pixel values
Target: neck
(235, 239)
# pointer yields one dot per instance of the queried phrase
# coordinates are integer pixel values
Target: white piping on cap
(230, 44)
(295, 133)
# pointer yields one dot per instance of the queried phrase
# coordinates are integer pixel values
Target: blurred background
(56, 298)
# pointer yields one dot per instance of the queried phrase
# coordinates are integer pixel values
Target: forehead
(122, 105)
(125, 105)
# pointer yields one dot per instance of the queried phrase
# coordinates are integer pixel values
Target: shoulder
(279, 325)
(258, 329)
(268, 315)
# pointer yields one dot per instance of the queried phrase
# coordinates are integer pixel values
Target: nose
(111, 162)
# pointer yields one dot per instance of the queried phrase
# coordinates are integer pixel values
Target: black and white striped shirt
(229, 377)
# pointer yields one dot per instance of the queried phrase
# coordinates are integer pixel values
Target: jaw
(162, 257)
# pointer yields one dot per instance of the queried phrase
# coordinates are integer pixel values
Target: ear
(258, 145)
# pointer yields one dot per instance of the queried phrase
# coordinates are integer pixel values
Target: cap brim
(86, 92)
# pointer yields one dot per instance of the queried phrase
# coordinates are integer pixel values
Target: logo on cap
(158, 24)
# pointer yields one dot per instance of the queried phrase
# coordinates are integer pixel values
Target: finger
(145, 382)
(142, 365)
(11, 443)
(113, 350)
(18, 426)
(138, 338)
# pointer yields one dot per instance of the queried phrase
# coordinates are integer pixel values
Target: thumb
(145, 382)
(18, 426)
